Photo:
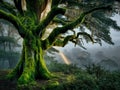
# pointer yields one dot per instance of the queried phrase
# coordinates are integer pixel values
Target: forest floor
(6, 84)
(51, 84)
(68, 77)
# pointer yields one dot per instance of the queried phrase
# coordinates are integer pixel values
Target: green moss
(28, 74)
(52, 85)
(45, 44)
(14, 20)
(70, 78)
(43, 71)
(32, 65)
(74, 80)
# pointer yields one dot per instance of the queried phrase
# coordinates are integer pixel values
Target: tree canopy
(32, 16)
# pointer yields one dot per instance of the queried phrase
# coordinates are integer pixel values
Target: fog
(108, 56)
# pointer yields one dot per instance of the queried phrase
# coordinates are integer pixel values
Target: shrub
(110, 81)
(95, 70)
(94, 77)
(54, 66)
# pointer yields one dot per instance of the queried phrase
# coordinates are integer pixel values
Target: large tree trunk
(31, 65)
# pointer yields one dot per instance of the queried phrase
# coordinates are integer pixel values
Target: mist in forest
(108, 56)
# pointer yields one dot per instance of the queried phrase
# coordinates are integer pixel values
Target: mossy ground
(68, 77)
(51, 84)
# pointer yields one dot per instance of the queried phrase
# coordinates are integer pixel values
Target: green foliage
(54, 66)
(109, 81)
(76, 79)
(83, 81)
(98, 22)
(95, 70)
(93, 77)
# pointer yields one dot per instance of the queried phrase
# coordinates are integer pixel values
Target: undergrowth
(71, 77)
(94, 77)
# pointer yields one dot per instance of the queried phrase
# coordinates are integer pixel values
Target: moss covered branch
(63, 42)
(72, 38)
(48, 19)
(7, 6)
(14, 20)
(57, 20)
(85, 34)
(60, 30)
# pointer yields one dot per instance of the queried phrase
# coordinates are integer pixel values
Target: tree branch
(7, 6)
(85, 34)
(63, 42)
(13, 19)
(46, 44)
(60, 30)
(71, 38)
(60, 21)
(40, 28)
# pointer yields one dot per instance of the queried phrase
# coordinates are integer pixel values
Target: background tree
(33, 19)
(8, 45)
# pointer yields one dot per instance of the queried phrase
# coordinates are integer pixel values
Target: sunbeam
(65, 59)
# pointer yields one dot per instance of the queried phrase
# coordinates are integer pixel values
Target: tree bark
(31, 65)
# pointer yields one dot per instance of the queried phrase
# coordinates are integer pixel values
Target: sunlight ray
(65, 59)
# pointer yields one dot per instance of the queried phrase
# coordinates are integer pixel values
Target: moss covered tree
(32, 18)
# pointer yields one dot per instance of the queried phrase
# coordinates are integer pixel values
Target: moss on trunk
(31, 65)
